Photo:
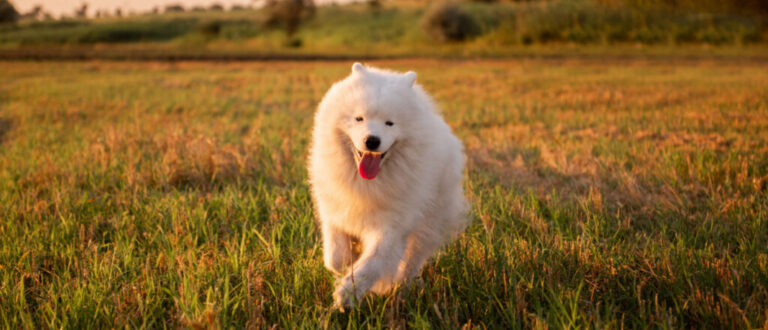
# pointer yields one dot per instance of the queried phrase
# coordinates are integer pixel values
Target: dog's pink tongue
(369, 166)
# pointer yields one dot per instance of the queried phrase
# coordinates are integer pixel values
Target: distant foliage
(447, 21)
(502, 23)
(288, 14)
(8, 13)
(629, 21)
(174, 8)
(711, 6)
(85, 32)
(134, 32)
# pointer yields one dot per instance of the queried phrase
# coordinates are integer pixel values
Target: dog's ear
(358, 68)
(410, 77)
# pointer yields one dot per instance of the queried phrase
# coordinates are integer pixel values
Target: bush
(209, 28)
(447, 21)
(8, 14)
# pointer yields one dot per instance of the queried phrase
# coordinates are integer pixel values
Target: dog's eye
(359, 118)
(389, 123)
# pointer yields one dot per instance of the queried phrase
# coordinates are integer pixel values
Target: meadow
(624, 193)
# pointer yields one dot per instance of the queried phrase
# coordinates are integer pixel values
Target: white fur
(414, 205)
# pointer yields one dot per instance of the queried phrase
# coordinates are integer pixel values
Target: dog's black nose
(372, 142)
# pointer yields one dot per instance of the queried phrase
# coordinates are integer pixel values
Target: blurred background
(275, 28)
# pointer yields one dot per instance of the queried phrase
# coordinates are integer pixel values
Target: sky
(58, 7)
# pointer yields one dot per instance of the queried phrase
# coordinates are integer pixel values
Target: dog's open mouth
(368, 163)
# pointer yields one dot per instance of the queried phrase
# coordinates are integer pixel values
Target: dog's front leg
(337, 249)
(382, 252)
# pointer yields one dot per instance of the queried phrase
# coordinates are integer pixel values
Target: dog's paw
(344, 298)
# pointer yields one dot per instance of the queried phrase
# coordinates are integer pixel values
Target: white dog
(386, 175)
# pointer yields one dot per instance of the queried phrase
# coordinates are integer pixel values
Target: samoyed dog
(386, 176)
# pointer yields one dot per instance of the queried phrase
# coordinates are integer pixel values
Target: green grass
(604, 193)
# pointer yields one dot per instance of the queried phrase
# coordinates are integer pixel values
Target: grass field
(604, 193)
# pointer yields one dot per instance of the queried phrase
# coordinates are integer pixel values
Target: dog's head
(373, 110)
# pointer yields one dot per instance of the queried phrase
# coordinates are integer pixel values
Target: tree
(34, 14)
(8, 13)
(288, 14)
(82, 11)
